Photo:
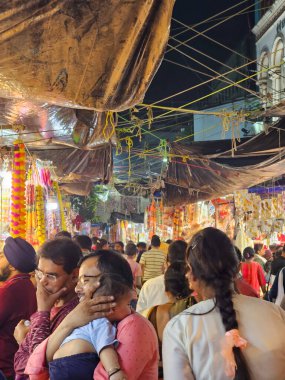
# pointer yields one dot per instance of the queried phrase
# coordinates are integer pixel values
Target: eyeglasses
(40, 275)
(84, 278)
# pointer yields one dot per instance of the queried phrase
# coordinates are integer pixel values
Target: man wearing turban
(17, 296)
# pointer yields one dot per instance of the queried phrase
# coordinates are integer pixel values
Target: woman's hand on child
(90, 308)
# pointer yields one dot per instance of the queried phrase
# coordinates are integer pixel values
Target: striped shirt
(153, 262)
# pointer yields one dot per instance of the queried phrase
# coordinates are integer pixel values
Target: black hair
(112, 284)
(130, 249)
(169, 241)
(112, 262)
(175, 280)
(95, 239)
(238, 253)
(61, 234)
(83, 241)
(100, 244)
(141, 244)
(257, 247)
(61, 251)
(248, 253)
(121, 244)
(155, 241)
(213, 260)
(177, 251)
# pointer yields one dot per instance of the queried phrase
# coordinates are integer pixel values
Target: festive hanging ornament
(40, 215)
(18, 207)
(61, 208)
(31, 219)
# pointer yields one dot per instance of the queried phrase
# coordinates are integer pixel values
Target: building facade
(270, 38)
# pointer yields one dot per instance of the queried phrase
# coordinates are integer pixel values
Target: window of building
(277, 70)
(264, 80)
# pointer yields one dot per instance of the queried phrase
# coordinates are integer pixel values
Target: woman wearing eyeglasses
(222, 337)
(73, 348)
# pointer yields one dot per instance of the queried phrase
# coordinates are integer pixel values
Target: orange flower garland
(40, 212)
(18, 208)
(60, 203)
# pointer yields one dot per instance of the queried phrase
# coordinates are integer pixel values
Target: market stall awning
(210, 176)
(67, 66)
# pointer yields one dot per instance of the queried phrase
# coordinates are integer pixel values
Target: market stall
(31, 203)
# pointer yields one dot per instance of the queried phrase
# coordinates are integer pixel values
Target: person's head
(248, 253)
(155, 241)
(169, 241)
(141, 246)
(58, 265)
(213, 265)
(100, 265)
(64, 234)
(18, 257)
(176, 251)
(259, 249)
(102, 244)
(175, 281)
(131, 250)
(84, 242)
(268, 255)
(95, 240)
(119, 246)
(279, 251)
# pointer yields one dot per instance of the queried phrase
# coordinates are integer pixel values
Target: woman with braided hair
(226, 335)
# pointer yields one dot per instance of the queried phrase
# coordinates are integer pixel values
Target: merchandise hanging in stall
(32, 206)
(260, 217)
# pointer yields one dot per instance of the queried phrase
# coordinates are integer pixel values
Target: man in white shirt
(153, 290)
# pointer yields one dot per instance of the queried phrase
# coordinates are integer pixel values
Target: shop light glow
(51, 206)
(6, 178)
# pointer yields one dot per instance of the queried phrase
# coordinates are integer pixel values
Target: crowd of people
(82, 308)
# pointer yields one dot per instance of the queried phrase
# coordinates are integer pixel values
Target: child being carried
(81, 351)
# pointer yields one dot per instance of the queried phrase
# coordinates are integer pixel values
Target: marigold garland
(31, 212)
(40, 212)
(18, 208)
(61, 208)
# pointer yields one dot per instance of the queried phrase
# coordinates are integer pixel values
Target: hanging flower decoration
(18, 208)
(40, 211)
(31, 211)
(61, 208)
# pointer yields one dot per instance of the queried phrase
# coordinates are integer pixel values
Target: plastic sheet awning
(208, 176)
(99, 55)
(65, 64)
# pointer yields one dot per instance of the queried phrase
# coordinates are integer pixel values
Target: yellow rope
(109, 121)
(130, 144)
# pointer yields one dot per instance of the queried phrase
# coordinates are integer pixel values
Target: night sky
(171, 78)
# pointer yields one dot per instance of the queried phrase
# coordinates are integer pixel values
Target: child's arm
(109, 359)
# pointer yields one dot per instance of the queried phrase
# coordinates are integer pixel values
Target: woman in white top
(227, 335)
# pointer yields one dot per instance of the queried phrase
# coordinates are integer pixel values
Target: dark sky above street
(172, 78)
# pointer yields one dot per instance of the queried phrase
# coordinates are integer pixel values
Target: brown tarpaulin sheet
(65, 63)
(92, 54)
(202, 178)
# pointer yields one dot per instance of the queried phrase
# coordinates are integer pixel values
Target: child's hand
(120, 375)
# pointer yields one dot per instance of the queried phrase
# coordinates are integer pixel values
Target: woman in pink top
(131, 251)
(138, 348)
(252, 271)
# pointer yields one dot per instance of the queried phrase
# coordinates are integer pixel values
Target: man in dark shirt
(17, 297)
(278, 263)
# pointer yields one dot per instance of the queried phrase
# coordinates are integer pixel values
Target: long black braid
(213, 260)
